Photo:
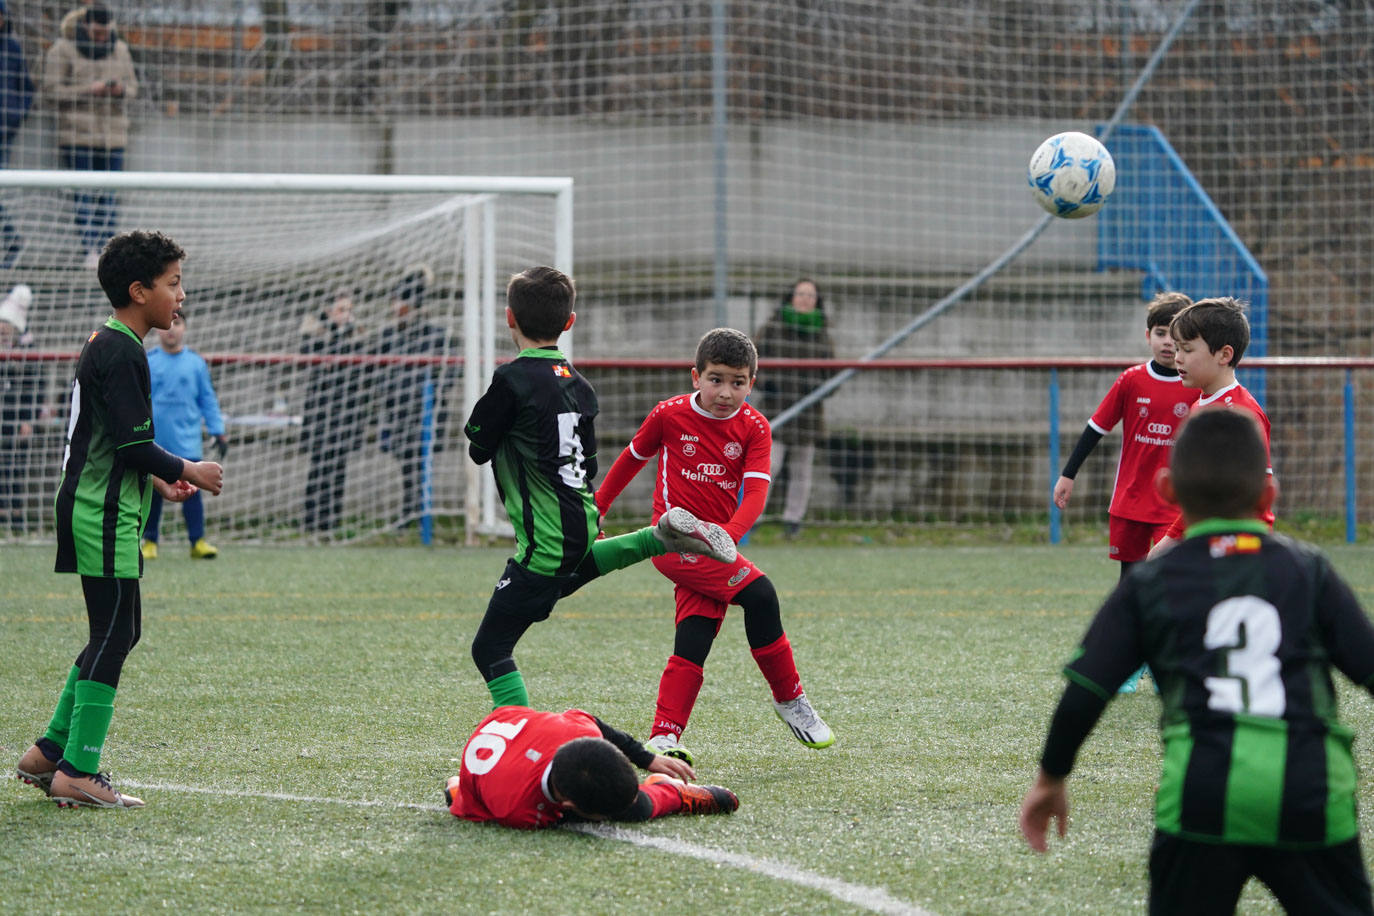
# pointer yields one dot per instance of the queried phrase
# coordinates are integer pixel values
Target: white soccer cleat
(806, 724)
(669, 746)
(683, 532)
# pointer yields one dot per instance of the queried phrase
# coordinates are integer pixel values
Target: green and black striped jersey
(1241, 628)
(535, 425)
(102, 502)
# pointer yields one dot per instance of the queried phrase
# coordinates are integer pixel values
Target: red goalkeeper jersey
(1150, 407)
(505, 772)
(703, 460)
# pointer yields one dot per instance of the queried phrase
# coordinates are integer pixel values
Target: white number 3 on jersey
(1248, 628)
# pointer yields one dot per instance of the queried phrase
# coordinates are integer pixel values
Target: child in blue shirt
(182, 398)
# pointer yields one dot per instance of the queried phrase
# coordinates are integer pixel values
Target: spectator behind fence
(402, 391)
(16, 97)
(183, 398)
(797, 330)
(89, 77)
(21, 406)
(332, 422)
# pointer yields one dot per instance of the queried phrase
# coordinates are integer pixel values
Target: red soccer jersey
(1150, 407)
(1236, 396)
(505, 771)
(703, 460)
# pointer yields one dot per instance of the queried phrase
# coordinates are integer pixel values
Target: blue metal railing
(1162, 222)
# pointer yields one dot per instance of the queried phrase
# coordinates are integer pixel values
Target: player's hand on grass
(1047, 800)
(671, 766)
(207, 475)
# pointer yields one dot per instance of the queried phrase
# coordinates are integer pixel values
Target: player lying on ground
(525, 768)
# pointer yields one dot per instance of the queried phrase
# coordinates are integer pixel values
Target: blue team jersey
(182, 398)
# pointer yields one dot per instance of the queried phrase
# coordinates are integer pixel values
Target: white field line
(874, 899)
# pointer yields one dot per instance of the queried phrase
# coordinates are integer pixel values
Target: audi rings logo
(711, 470)
(1160, 429)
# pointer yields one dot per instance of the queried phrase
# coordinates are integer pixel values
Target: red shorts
(703, 587)
(1129, 540)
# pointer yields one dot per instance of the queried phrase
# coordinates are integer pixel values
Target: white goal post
(265, 252)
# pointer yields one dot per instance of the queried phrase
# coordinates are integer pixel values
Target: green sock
(610, 554)
(508, 690)
(61, 724)
(91, 713)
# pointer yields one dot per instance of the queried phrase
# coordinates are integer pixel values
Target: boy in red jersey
(713, 453)
(1149, 403)
(1212, 335)
(526, 769)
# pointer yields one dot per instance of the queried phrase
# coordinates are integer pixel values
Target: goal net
(722, 150)
(348, 324)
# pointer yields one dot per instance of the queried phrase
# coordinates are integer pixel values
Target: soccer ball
(1071, 175)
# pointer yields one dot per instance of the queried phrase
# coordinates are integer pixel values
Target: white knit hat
(14, 308)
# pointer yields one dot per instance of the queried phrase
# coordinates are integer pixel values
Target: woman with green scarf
(797, 330)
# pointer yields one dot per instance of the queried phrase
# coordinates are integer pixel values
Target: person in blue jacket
(16, 97)
(182, 398)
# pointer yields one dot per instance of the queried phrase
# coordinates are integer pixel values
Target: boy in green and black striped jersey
(1241, 628)
(535, 424)
(109, 471)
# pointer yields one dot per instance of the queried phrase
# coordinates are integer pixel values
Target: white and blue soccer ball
(1071, 175)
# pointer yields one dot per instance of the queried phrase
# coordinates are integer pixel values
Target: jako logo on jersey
(1160, 429)
(1142, 400)
(686, 438)
(502, 583)
(738, 577)
(711, 470)
(733, 450)
(562, 371)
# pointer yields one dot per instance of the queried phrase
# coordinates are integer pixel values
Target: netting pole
(472, 363)
(1348, 396)
(427, 465)
(1055, 533)
(489, 331)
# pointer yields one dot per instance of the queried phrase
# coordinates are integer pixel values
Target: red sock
(677, 694)
(665, 798)
(775, 661)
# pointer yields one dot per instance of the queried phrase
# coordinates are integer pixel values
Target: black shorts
(524, 595)
(1206, 878)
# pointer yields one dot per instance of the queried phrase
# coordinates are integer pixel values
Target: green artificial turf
(291, 715)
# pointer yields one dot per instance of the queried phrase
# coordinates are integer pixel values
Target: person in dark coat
(797, 330)
(332, 421)
(16, 98)
(404, 389)
(21, 406)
